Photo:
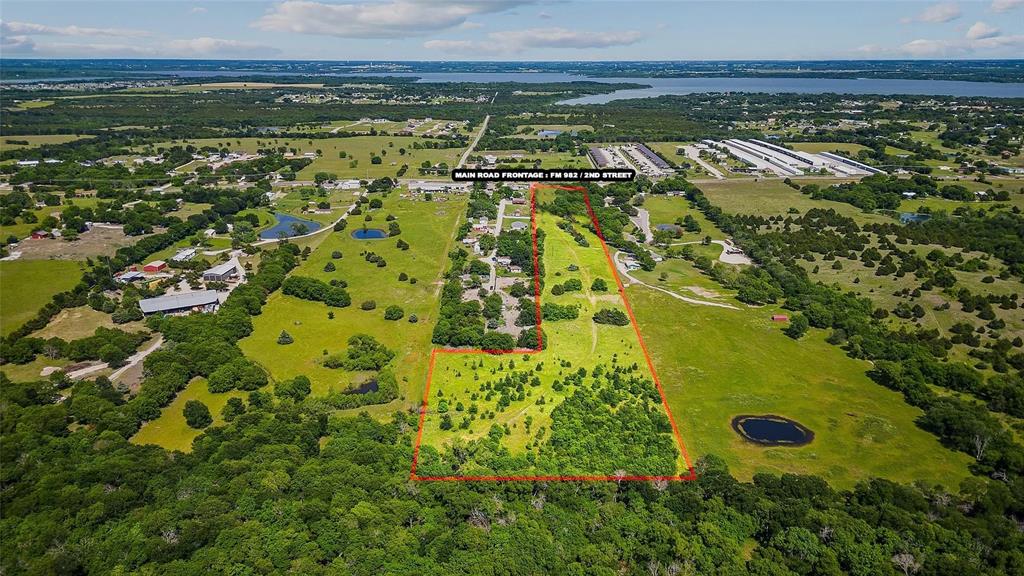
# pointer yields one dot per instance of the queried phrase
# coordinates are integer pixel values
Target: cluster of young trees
(317, 290)
(363, 353)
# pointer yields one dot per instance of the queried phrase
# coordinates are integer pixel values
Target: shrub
(336, 254)
(368, 305)
(394, 313)
(329, 267)
(402, 276)
(599, 285)
(197, 415)
(285, 338)
(611, 316)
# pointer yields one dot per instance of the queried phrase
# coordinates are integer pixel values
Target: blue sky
(512, 29)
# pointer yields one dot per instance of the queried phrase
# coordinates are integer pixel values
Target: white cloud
(544, 16)
(390, 19)
(515, 41)
(32, 29)
(979, 38)
(981, 30)
(922, 48)
(1006, 5)
(937, 14)
(17, 44)
(197, 10)
(179, 48)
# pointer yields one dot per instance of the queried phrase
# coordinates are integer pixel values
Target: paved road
(472, 145)
(739, 258)
(643, 222)
(493, 282)
(625, 273)
(693, 154)
(132, 361)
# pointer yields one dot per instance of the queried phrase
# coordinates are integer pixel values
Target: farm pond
(771, 430)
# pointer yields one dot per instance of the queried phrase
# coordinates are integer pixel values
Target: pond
(369, 234)
(365, 388)
(668, 227)
(771, 430)
(906, 217)
(289, 226)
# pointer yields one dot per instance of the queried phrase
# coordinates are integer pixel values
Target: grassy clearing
(580, 342)
(668, 209)
(718, 363)
(16, 142)
(773, 197)
(74, 323)
(528, 159)
(26, 285)
(429, 228)
(170, 431)
(816, 147)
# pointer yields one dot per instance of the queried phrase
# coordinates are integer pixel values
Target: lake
(285, 224)
(677, 86)
(369, 234)
(771, 430)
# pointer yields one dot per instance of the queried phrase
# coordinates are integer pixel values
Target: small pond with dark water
(365, 388)
(288, 226)
(906, 217)
(771, 430)
(369, 234)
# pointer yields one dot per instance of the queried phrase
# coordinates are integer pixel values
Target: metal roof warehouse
(175, 303)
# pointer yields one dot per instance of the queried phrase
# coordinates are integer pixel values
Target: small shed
(780, 318)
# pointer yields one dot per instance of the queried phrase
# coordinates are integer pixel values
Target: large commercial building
(204, 301)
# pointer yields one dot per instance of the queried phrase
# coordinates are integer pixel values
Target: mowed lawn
(170, 431)
(27, 285)
(817, 147)
(718, 363)
(580, 342)
(35, 141)
(527, 159)
(429, 228)
(668, 209)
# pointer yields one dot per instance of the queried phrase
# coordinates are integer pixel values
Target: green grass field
(547, 159)
(717, 363)
(170, 431)
(37, 141)
(80, 322)
(26, 285)
(581, 342)
(816, 147)
(428, 227)
(773, 197)
(668, 209)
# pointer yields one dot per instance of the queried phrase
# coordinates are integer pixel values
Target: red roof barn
(154, 266)
(780, 318)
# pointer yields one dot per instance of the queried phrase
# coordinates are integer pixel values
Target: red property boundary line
(540, 346)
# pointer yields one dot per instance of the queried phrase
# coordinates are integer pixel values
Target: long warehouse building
(853, 163)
